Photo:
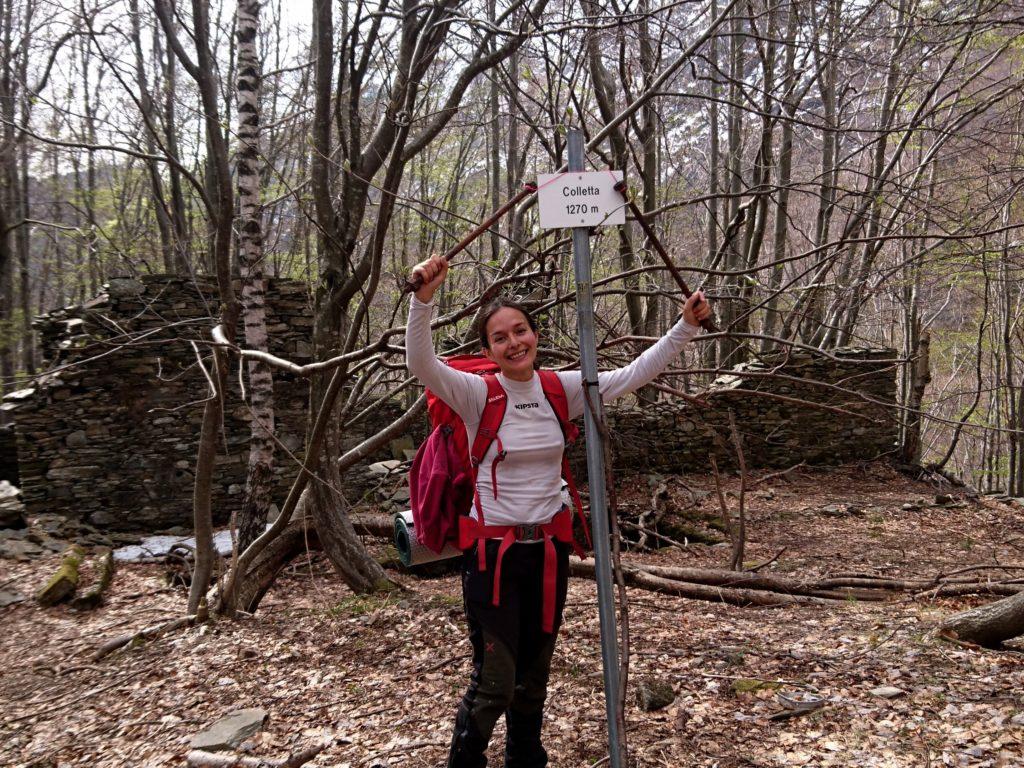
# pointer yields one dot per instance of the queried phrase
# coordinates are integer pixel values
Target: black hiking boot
(522, 747)
(468, 746)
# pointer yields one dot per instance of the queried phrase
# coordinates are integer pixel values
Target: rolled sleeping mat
(410, 551)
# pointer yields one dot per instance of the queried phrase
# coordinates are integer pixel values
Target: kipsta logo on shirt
(522, 406)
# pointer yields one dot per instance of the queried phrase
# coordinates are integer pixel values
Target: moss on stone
(64, 582)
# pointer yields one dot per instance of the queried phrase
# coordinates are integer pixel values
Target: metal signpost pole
(595, 464)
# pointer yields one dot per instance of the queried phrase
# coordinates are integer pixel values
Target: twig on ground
(9, 582)
(942, 576)
(76, 698)
(410, 747)
(774, 475)
(148, 633)
(202, 759)
(766, 563)
(865, 652)
(655, 535)
(788, 714)
(432, 667)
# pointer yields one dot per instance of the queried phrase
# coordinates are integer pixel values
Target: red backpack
(442, 480)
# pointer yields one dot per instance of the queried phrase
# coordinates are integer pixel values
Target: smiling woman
(508, 336)
(515, 572)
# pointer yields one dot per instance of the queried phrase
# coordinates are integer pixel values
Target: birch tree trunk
(253, 516)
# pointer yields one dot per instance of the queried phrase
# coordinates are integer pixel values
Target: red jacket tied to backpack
(441, 479)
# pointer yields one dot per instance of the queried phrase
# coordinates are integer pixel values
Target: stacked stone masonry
(9, 454)
(109, 434)
(812, 407)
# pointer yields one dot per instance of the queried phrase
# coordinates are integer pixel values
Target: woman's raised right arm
(464, 392)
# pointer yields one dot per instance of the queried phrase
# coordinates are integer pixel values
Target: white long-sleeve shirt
(529, 478)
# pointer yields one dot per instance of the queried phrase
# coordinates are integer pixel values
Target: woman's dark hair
(488, 311)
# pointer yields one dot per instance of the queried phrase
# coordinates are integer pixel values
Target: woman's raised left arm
(648, 365)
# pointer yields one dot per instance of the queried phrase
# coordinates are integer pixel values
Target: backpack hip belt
(559, 528)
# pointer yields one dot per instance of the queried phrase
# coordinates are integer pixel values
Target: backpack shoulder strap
(490, 419)
(555, 394)
(486, 433)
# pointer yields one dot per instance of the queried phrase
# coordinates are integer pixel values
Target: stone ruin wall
(112, 441)
(9, 454)
(854, 420)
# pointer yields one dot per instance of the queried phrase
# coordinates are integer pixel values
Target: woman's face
(513, 343)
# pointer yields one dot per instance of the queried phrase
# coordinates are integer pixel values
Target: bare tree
(220, 211)
(253, 516)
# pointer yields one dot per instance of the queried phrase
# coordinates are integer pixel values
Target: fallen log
(845, 588)
(929, 587)
(750, 580)
(863, 582)
(777, 475)
(202, 759)
(988, 625)
(635, 577)
(64, 582)
(721, 577)
(974, 588)
(381, 526)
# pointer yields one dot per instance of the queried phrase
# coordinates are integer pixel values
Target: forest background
(832, 173)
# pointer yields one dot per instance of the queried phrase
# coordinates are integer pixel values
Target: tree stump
(988, 625)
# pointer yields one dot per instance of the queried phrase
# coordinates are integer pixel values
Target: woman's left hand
(696, 309)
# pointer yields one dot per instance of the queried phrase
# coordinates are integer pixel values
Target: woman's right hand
(432, 272)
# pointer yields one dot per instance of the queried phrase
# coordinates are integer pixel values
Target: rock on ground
(231, 730)
(12, 511)
(653, 694)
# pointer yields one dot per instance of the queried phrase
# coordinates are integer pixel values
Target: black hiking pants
(511, 655)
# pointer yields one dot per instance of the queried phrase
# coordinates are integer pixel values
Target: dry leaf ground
(380, 677)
